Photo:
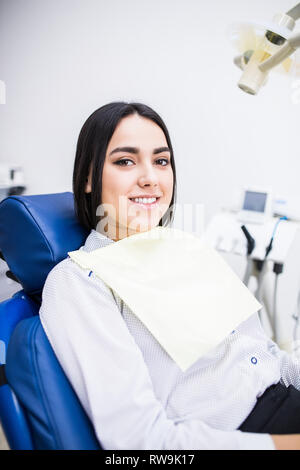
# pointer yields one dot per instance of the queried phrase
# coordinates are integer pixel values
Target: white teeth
(144, 200)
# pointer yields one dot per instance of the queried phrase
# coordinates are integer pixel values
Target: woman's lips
(149, 206)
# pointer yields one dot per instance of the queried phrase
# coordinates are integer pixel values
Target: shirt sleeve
(107, 371)
(289, 368)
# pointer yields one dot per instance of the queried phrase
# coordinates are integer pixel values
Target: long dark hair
(91, 150)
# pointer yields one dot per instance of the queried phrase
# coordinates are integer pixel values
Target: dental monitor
(255, 206)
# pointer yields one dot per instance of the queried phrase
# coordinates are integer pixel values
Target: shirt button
(253, 360)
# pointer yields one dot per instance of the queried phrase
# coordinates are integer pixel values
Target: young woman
(135, 395)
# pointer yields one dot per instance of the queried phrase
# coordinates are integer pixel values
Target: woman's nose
(148, 176)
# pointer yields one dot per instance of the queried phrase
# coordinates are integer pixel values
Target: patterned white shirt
(134, 393)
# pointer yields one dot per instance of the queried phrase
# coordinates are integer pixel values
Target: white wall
(62, 59)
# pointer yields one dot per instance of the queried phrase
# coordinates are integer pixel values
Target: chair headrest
(36, 232)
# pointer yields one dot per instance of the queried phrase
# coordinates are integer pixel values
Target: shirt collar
(96, 240)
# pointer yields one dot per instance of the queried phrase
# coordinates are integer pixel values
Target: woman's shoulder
(65, 273)
(69, 276)
(66, 266)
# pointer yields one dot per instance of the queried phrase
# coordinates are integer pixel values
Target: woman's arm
(107, 370)
(286, 442)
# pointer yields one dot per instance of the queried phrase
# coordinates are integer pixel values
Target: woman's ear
(88, 186)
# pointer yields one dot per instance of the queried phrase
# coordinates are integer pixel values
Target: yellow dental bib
(180, 288)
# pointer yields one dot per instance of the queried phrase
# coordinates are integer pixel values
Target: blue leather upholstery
(12, 415)
(56, 417)
(38, 409)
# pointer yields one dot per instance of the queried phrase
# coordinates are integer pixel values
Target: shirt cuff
(255, 441)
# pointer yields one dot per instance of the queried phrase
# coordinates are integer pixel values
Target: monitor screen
(255, 201)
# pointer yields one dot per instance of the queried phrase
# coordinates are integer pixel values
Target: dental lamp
(262, 52)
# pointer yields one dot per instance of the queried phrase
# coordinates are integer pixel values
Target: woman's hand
(286, 441)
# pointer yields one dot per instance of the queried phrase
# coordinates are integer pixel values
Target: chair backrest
(38, 407)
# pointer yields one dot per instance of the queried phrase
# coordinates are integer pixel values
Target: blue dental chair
(38, 407)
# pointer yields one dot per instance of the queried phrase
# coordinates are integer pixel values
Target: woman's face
(137, 165)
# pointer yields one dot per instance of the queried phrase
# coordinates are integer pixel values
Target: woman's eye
(165, 160)
(121, 162)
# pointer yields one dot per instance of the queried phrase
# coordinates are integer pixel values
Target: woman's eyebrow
(136, 150)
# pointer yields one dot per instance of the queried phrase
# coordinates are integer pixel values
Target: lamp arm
(238, 61)
(283, 53)
(294, 12)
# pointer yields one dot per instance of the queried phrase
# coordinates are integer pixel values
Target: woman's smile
(146, 203)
